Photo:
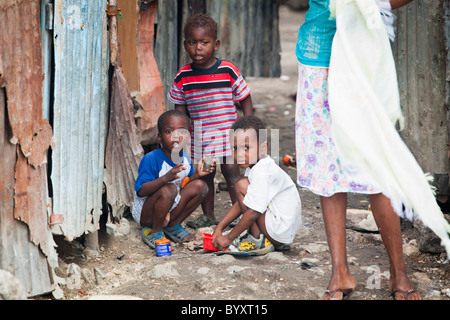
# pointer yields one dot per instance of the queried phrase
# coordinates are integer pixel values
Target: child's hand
(173, 173)
(202, 173)
(217, 232)
(221, 242)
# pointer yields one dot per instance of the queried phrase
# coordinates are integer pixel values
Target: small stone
(276, 256)
(165, 270)
(221, 260)
(10, 287)
(411, 249)
(203, 270)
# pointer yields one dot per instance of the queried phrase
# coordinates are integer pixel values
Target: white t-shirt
(272, 191)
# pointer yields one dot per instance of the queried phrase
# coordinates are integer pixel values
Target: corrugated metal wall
(248, 31)
(26, 244)
(250, 35)
(167, 43)
(421, 58)
(80, 114)
(18, 255)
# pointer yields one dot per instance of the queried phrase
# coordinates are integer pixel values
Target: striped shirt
(209, 95)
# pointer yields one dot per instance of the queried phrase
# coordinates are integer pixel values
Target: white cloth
(272, 191)
(388, 17)
(138, 203)
(365, 106)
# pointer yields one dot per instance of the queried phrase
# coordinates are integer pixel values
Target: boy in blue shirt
(160, 203)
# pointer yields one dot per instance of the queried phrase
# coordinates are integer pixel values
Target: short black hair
(166, 115)
(251, 122)
(200, 20)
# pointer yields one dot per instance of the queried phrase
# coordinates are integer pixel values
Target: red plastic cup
(207, 242)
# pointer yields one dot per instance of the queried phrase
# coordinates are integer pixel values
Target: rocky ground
(124, 266)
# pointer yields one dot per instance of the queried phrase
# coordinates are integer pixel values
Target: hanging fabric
(365, 109)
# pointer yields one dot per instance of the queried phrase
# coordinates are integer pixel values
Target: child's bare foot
(340, 288)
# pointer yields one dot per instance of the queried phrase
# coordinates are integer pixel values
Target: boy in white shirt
(267, 197)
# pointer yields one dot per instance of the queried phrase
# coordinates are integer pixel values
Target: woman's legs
(334, 213)
(388, 224)
(334, 210)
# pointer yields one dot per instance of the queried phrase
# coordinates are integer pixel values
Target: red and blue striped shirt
(210, 96)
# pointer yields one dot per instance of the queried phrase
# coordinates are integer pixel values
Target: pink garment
(318, 166)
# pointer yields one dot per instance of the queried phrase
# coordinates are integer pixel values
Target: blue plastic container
(163, 248)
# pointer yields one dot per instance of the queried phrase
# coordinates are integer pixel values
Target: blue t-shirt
(316, 34)
(156, 164)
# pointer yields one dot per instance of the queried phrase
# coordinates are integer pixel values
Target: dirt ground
(128, 268)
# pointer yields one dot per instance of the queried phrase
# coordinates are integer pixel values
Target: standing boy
(206, 90)
(267, 197)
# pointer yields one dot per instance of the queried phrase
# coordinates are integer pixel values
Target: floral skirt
(318, 166)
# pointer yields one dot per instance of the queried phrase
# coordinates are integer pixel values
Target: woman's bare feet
(402, 289)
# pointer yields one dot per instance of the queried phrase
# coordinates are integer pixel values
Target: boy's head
(173, 131)
(249, 140)
(201, 20)
(200, 40)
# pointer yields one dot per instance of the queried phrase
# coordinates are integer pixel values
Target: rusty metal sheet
(123, 149)
(18, 254)
(22, 75)
(136, 32)
(80, 114)
(28, 249)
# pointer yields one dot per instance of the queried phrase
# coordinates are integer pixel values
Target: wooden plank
(151, 85)
(128, 35)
